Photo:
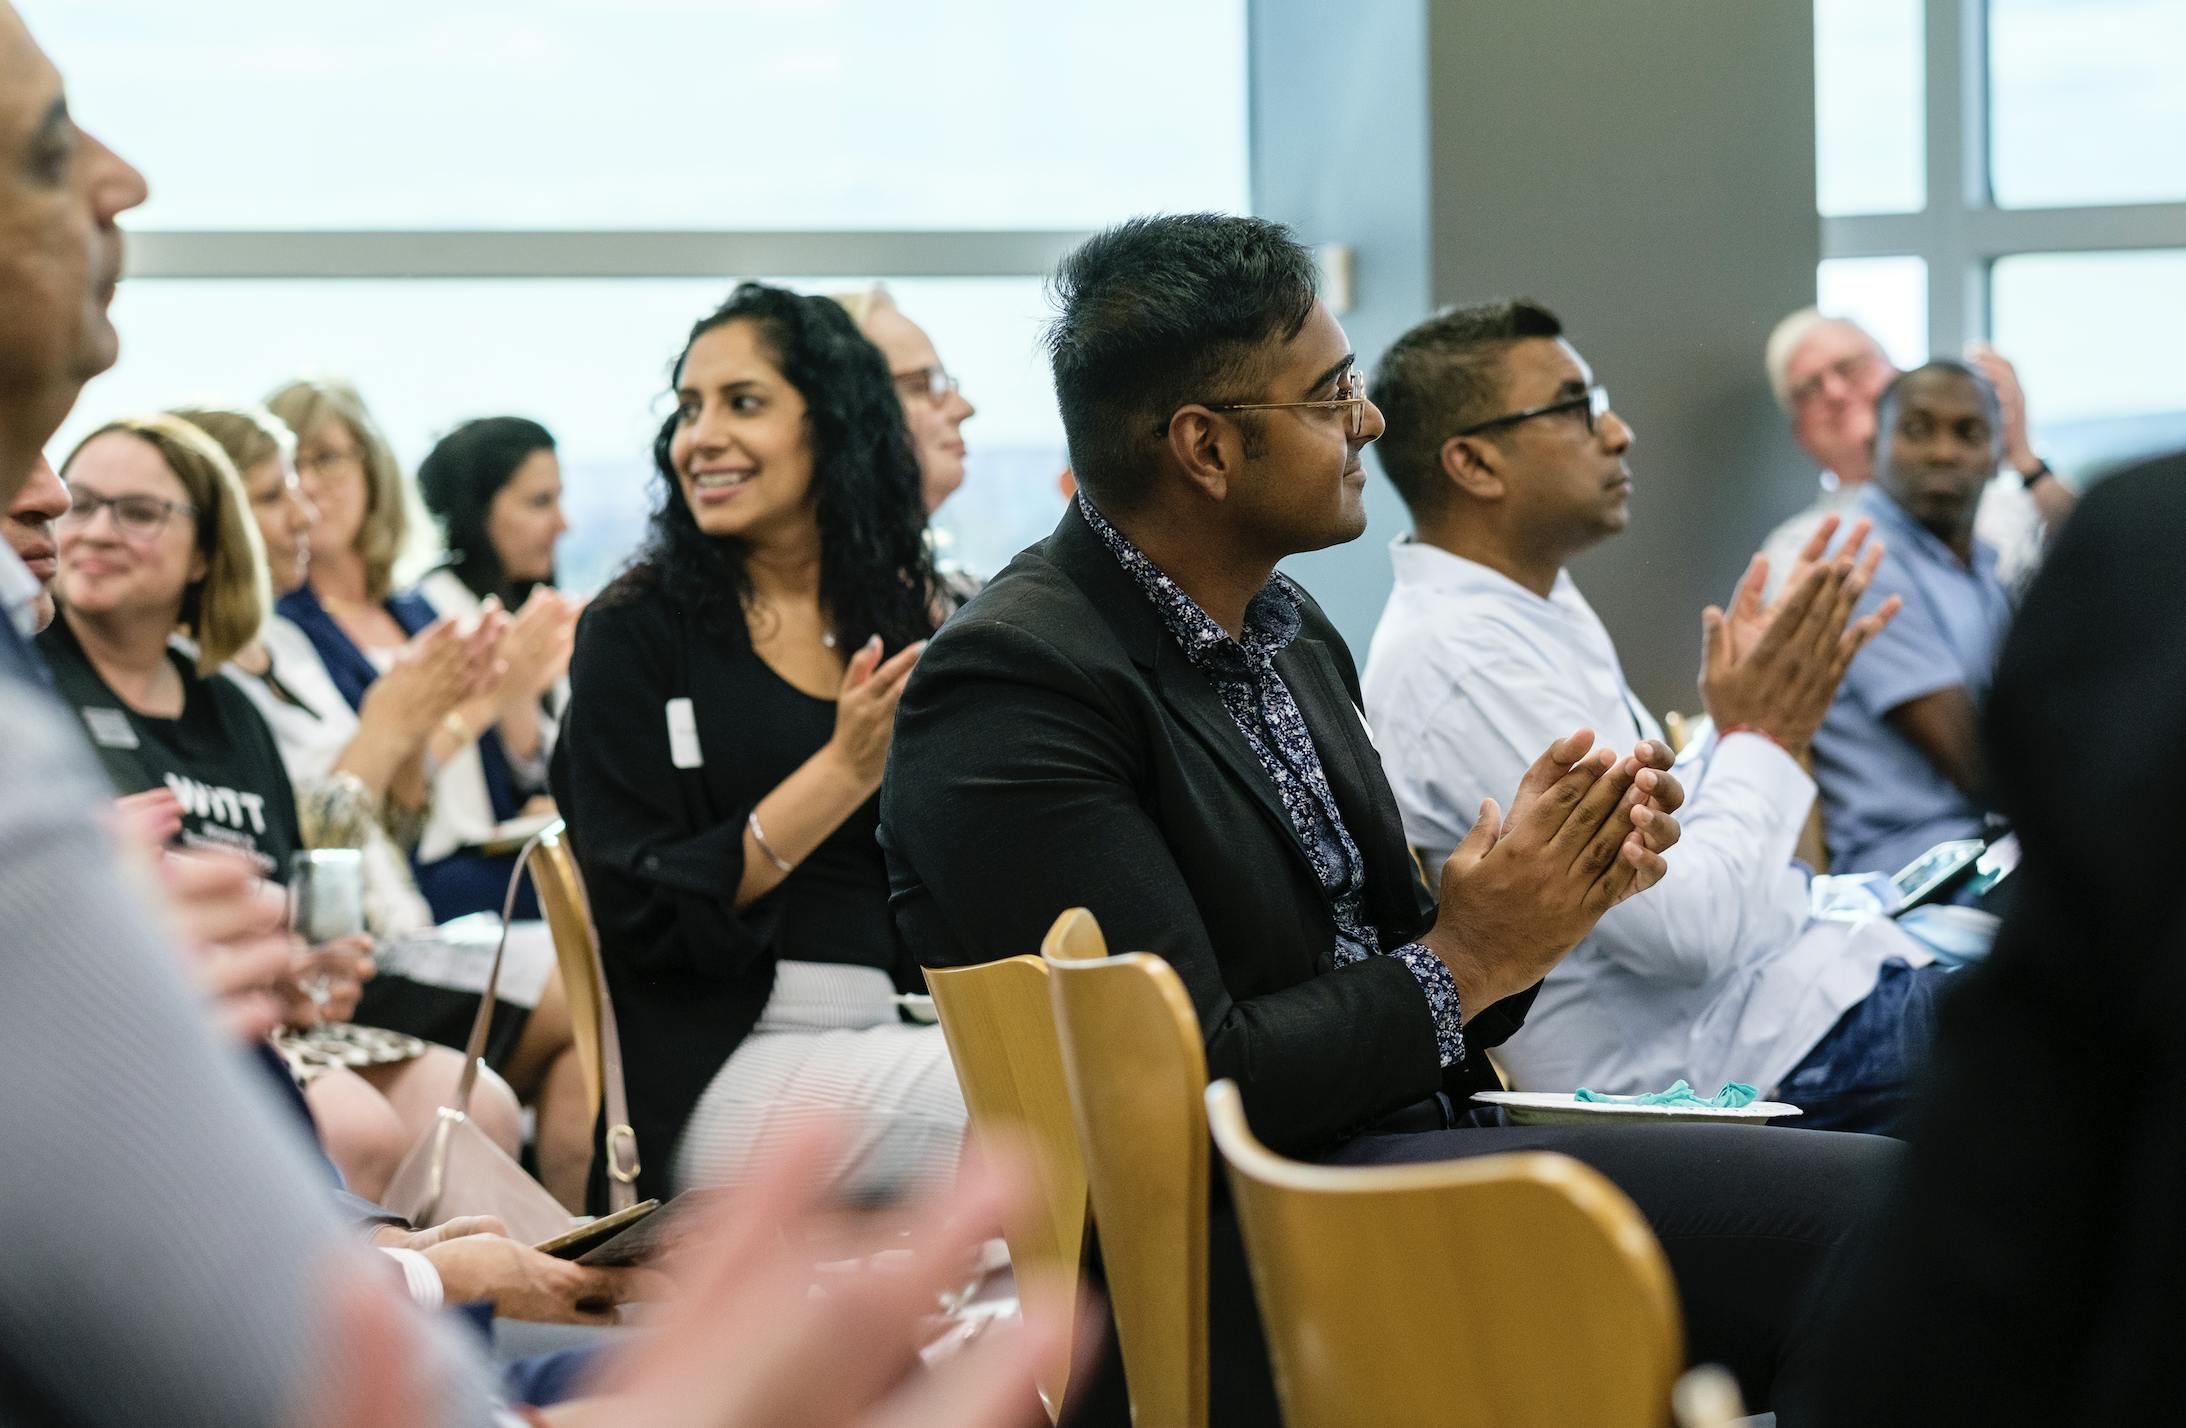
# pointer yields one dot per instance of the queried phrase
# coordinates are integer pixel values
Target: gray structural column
(1645, 169)
(1341, 152)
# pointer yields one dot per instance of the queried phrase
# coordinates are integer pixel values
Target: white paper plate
(1560, 1108)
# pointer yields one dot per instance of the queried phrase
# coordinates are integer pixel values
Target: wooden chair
(591, 1018)
(1136, 1069)
(1001, 1035)
(1074, 937)
(1499, 1292)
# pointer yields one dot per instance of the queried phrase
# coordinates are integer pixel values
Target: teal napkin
(1733, 1095)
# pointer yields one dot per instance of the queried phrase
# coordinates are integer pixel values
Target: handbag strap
(474, 1051)
(621, 1142)
(620, 1145)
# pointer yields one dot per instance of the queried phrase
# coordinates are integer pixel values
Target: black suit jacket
(2034, 1268)
(1054, 749)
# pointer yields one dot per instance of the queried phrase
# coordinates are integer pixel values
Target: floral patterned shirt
(1243, 674)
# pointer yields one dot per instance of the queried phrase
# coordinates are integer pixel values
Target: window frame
(1962, 232)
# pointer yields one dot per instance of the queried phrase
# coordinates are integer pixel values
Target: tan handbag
(456, 1169)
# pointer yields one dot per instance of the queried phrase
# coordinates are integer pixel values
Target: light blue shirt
(1719, 972)
(1883, 802)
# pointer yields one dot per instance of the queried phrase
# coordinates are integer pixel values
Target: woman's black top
(218, 757)
(673, 734)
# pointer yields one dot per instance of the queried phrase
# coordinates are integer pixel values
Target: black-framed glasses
(933, 383)
(1592, 404)
(138, 518)
(1356, 402)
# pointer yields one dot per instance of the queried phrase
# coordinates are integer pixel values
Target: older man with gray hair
(1827, 374)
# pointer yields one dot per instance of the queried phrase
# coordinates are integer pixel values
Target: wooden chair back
(1001, 1034)
(1074, 937)
(576, 948)
(1508, 1291)
(1137, 1070)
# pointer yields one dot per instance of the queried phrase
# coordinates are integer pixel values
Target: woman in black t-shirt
(157, 541)
(732, 698)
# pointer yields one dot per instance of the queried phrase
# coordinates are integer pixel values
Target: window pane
(1869, 94)
(2085, 100)
(2095, 337)
(1887, 296)
(672, 114)
(587, 357)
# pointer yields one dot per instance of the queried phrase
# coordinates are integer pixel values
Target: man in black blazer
(1139, 716)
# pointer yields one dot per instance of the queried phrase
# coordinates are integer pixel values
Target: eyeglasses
(138, 518)
(933, 383)
(318, 463)
(1844, 369)
(1592, 405)
(1356, 402)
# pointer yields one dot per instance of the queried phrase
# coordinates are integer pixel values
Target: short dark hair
(1158, 312)
(1886, 405)
(460, 477)
(1441, 377)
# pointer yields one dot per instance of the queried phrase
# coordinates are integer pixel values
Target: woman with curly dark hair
(732, 698)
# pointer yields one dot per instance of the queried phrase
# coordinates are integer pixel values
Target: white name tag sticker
(683, 750)
(109, 728)
(1369, 728)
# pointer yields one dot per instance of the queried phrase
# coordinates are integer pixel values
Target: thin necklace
(764, 608)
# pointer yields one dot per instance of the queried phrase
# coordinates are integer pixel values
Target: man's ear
(1474, 467)
(1207, 450)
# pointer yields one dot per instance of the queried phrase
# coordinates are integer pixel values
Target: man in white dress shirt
(1511, 462)
(1827, 373)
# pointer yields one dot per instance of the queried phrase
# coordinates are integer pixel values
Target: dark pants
(1860, 1076)
(1751, 1219)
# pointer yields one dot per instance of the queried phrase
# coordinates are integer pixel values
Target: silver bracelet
(759, 836)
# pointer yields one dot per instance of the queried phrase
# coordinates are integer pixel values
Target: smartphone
(1935, 871)
(580, 1240)
(656, 1235)
(1999, 862)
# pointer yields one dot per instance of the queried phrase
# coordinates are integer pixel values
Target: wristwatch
(2032, 478)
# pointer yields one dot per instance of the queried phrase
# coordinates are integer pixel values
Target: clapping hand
(845, 1355)
(2011, 401)
(535, 651)
(1586, 831)
(430, 676)
(1774, 668)
(865, 709)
